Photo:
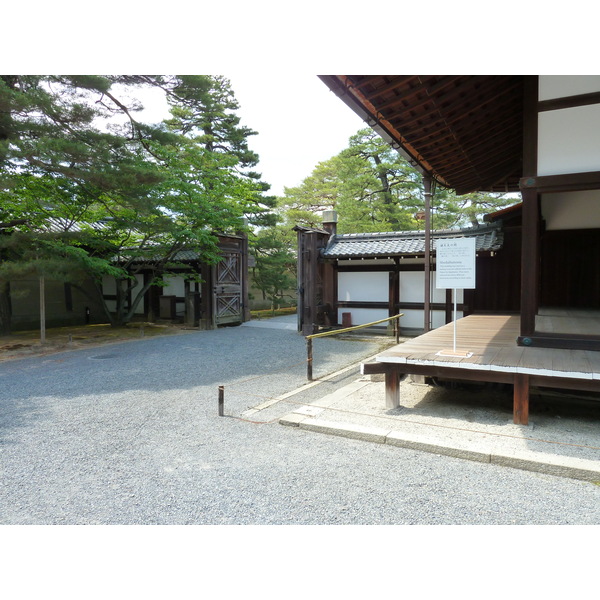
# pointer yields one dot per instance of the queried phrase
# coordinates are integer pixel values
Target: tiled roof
(403, 243)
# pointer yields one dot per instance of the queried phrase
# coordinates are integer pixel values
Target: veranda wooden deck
(490, 353)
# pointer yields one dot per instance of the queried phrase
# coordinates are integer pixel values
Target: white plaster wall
(412, 288)
(360, 316)
(568, 140)
(572, 210)
(363, 287)
(175, 286)
(413, 319)
(109, 285)
(374, 287)
(562, 86)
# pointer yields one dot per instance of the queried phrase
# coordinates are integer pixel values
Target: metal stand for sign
(454, 298)
(454, 351)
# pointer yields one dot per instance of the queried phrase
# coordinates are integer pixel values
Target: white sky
(299, 121)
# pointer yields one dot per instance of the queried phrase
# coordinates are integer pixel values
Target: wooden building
(360, 278)
(221, 298)
(537, 135)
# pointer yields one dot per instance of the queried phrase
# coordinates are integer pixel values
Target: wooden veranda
(491, 354)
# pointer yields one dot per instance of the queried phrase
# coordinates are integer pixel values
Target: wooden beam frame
(521, 382)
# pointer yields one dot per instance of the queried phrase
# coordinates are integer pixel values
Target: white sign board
(455, 263)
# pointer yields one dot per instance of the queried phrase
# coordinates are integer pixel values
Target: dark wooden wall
(570, 269)
(498, 277)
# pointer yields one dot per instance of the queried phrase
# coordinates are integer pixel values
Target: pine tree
(75, 153)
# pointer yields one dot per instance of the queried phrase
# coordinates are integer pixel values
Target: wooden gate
(224, 287)
(227, 289)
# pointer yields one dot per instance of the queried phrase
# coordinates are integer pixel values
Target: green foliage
(275, 270)
(373, 188)
(96, 191)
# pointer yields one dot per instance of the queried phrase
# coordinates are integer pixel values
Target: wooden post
(530, 267)
(309, 351)
(42, 311)
(221, 400)
(521, 399)
(392, 388)
(427, 267)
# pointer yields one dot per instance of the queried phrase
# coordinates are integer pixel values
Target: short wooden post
(221, 400)
(521, 399)
(392, 388)
(309, 351)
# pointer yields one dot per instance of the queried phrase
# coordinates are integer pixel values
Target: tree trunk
(5, 325)
(388, 197)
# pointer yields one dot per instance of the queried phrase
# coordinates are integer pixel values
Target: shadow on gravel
(255, 361)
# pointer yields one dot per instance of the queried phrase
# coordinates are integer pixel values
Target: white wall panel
(414, 319)
(360, 316)
(363, 287)
(568, 140)
(175, 286)
(562, 86)
(412, 288)
(572, 210)
(109, 286)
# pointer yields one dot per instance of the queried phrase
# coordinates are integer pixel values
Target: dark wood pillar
(329, 275)
(394, 289)
(531, 209)
(244, 275)
(207, 310)
(427, 278)
(521, 399)
(392, 388)
(309, 296)
(448, 307)
(530, 261)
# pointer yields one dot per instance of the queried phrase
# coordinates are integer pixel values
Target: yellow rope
(326, 333)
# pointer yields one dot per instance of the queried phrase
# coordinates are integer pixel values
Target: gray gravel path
(129, 434)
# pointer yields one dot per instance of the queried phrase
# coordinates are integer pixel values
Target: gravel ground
(129, 434)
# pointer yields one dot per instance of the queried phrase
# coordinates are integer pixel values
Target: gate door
(228, 289)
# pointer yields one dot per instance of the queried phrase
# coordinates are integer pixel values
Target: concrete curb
(573, 468)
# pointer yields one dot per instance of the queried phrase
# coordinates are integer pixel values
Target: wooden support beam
(521, 399)
(530, 268)
(427, 180)
(392, 388)
(374, 368)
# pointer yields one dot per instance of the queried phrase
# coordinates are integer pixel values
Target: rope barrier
(353, 328)
(310, 338)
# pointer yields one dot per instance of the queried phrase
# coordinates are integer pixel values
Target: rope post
(309, 351)
(221, 400)
(397, 330)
